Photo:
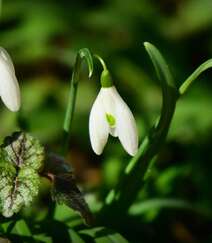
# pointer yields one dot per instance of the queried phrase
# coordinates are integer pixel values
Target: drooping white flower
(9, 88)
(111, 115)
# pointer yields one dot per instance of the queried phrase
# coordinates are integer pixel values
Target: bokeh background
(43, 37)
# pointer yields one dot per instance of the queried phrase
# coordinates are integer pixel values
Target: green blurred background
(43, 38)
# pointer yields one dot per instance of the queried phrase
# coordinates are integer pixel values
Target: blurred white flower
(111, 115)
(9, 88)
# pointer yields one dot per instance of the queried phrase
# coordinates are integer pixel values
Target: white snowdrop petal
(113, 131)
(9, 88)
(108, 103)
(108, 100)
(5, 57)
(98, 127)
(126, 126)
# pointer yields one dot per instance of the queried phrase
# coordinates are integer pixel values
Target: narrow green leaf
(74, 237)
(169, 90)
(158, 203)
(104, 235)
(63, 213)
(4, 226)
(111, 238)
(21, 228)
(186, 84)
(42, 238)
(160, 65)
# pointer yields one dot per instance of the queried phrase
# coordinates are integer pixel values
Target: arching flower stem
(82, 54)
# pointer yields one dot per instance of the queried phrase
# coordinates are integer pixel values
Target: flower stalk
(82, 54)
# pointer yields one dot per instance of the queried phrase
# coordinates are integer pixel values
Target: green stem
(83, 53)
(101, 61)
(106, 79)
(72, 97)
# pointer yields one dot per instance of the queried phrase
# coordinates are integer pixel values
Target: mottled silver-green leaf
(7, 175)
(20, 159)
(23, 150)
(17, 190)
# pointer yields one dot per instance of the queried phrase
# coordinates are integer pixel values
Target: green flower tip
(111, 120)
(106, 80)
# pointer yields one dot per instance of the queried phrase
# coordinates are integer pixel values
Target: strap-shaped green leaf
(21, 228)
(186, 84)
(160, 65)
(169, 90)
(158, 203)
(103, 235)
(74, 237)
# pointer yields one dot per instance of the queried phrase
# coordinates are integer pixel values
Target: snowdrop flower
(111, 115)
(9, 88)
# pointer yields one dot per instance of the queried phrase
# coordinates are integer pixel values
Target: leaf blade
(186, 84)
(21, 228)
(103, 235)
(66, 191)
